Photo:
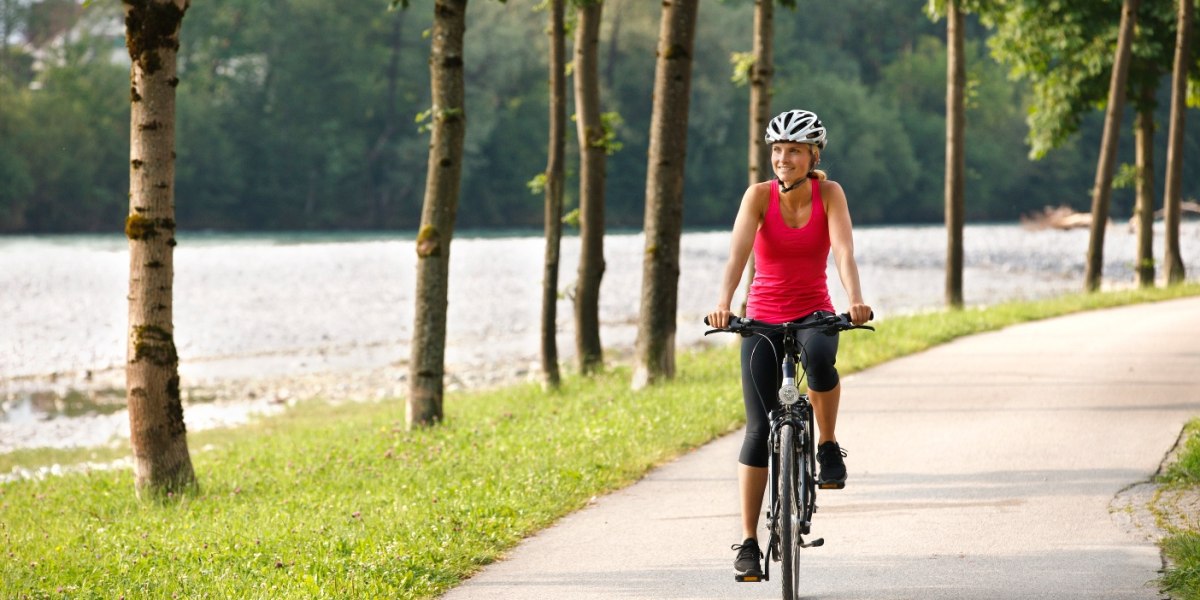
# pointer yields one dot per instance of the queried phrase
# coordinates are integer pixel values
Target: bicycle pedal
(831, 485)
(749, 578)
(817, 543)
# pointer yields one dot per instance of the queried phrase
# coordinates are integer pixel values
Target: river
(261, 320)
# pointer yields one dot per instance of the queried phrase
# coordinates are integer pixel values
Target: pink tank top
(789, 264)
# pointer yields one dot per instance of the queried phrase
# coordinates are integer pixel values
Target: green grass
(1186, 468)
(341, 502)
(1182, 548)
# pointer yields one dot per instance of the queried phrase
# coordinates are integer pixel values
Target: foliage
(1186, 468)
(300, 115)
(1181, 578)
(340, 501)
(1065, 50)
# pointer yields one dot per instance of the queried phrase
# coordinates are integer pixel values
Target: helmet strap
(785, 188)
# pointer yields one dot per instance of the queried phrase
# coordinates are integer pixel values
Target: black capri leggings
(762, 375)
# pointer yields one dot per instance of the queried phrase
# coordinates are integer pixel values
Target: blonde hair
(815, 173)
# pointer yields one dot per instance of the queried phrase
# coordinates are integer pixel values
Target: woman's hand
(860, 313)
(719, 319)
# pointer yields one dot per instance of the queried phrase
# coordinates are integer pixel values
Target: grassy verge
(341, 502)
(1182, 547)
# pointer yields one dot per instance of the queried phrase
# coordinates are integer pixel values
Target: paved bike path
(981, 469)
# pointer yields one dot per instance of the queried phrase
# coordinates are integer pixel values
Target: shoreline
(261, 324)
(217, 400)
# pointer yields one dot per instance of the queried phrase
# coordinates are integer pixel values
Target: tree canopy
(309, 115)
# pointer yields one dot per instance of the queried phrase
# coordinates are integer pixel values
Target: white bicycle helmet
(796, 126)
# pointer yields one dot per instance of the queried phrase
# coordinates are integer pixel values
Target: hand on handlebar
(719, 318)
(829, 323)
(860, 313)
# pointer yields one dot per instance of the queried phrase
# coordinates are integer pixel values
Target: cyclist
(791, 223)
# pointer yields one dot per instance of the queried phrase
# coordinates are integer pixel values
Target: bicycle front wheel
(790, 517)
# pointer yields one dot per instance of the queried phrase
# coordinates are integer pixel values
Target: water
(258, 307)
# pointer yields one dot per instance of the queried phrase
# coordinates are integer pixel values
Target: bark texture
(554, 195)
(761, 73)
(157, 434)
(654, 354)
(1143, 210)
(1102, 190)
(1172, 258)
(956, 80)
(442, 180)
(593, 154)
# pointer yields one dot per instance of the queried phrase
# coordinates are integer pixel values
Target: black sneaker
(746, 564)
(833, 468)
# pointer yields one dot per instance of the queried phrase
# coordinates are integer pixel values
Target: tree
(956, 79)
(162, 464)
(654, 357)
(554, 194)
(1066, 51)
(1143, 210)
(758, 73)
(1151, 52)
(1172, 192)
(593, 153)
(1102, 190)
(448, 122)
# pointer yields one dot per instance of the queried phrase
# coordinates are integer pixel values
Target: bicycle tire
(791, 498)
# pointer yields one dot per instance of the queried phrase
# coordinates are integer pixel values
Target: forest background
(307, 115)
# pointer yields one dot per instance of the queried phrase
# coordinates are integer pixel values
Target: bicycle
(792, 482)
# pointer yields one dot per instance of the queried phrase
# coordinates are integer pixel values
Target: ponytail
(816, 173)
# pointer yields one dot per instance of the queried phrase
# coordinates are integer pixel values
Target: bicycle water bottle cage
(788, 394)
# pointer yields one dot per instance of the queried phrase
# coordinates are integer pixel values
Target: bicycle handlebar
(829, 325)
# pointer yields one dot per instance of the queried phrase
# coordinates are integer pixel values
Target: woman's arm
(841, 241)
(741, 242)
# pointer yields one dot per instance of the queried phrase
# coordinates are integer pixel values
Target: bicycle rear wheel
(791, 517)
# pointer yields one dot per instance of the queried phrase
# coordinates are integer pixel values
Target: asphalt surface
(981, 469)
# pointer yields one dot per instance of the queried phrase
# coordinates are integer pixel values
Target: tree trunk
(1143, 211)
(654, 357)
(554, 195)
(761, 73)
(956, 79)
(157, 434)
(1102, 190)
(1172, 258)
(592, 174)
(442, 179)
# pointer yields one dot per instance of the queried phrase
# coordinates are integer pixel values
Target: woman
(791, 223)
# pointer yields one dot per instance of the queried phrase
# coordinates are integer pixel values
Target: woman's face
(791, 160)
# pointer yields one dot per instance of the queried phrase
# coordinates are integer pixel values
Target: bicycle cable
(801, 355)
